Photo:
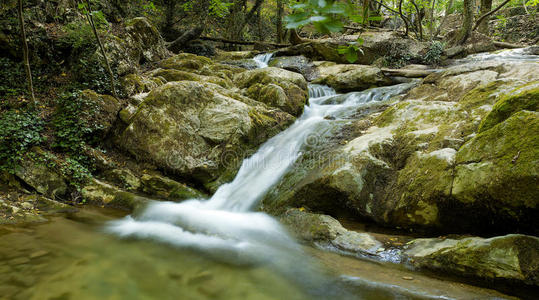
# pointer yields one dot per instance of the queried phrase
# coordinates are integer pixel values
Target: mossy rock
(106, 110)
(185, 61)
(499, 170)
(522, 98)
(163, 187)
(177, 75)
(510, 259)
(104, 194)
(187, 127)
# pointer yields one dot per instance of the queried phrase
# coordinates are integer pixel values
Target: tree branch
(478, 22)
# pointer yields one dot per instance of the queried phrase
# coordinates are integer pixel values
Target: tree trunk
(25, 54)
(280, 12)
(447, 11)
(467, 24)
(91, 21)
(486, 6)
(179, 43)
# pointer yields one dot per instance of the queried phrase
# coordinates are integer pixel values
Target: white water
(224, 226)
(508, 55)
(262, 60)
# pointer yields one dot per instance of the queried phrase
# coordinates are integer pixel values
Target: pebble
(408, 278)
(15, 209)
(27, 205)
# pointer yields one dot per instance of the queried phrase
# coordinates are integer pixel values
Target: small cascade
(510, 55)
(262, 60)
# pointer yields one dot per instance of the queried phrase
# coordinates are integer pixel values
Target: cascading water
(262, 60)
(508, 55)
(223, 226)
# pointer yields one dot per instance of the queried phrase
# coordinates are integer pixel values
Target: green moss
(501, 164)
(481, 95)
(522, 98)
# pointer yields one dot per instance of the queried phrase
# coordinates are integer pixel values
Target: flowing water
(262, 60)
(507, 55)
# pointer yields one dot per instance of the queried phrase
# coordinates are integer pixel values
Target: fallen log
(227, 41)
(187, 36)
(507, 45)
(407, 73)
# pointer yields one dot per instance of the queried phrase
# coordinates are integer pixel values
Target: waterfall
(262, 60)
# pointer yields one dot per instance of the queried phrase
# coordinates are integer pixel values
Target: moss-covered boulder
(106, 110)
(166, 188)
(347, 78)
(139, 43)
(423, 163)
(134, 83)
(103, 194)
(275, 87)
(499, 170)
(198, 129)
(512, 258)
(43, 179)
(146, 38)
(376, 44)
(177, 75)
(523, 98)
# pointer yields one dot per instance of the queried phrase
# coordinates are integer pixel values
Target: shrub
(19, 131)
(434, 54)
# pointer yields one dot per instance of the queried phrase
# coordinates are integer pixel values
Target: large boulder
(512, 258)
(423, 162)
(139, 43)
(347, 78)
(375, 45)
(198, 129)
(275, 87)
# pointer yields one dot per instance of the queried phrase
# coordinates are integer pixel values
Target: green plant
(73, 126)
(434, 54)
(11, 78)
(19, 131)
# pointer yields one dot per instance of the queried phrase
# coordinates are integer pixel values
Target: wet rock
(511, 258)
(325, 230)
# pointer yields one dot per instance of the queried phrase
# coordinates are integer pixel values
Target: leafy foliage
(19, 131)
(11, 78)
(73, 130)
(434, 54)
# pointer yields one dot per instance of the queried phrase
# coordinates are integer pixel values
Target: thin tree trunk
(480, 19)
(419, 19)
(447, 10)
(25, 54)
(280, 12)
(91, 21)
(467, 24)
(403, 18)
(486, 6)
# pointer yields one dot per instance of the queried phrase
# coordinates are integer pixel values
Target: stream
(217, 248)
